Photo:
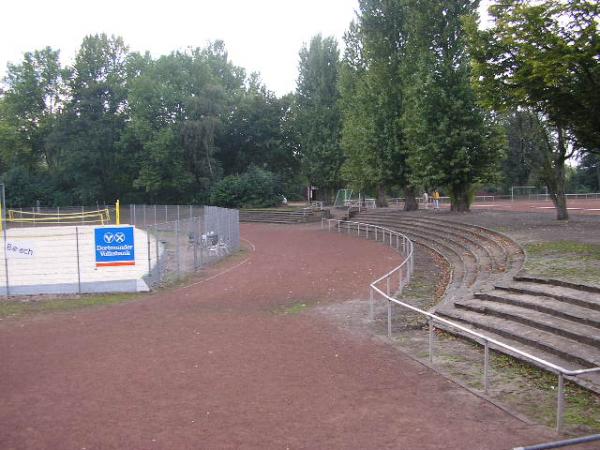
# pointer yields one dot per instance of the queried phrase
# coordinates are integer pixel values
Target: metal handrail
(562, 372)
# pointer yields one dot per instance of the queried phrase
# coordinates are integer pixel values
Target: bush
(255, 188)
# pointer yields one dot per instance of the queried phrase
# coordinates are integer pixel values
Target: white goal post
(530, 192)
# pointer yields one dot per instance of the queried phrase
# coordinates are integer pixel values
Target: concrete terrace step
(536, 319)
(452, 252)
(274, 216)
(589, 381)
(567, 349)
(569, 295)
(545, 304)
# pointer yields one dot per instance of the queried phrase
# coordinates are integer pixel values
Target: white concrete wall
(47, 262)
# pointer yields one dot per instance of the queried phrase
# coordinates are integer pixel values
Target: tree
(541, 151)
(544, 55)
(588, 173)
(178, 106)
(317, 116)
(373, 100)
(253, 133)
(84, 144)
(453, 142)
(32, 97)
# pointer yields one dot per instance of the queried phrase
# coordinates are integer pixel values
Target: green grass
(582, 407)
(564, 247)
(573, 261)
(12, 308)
(295, 308)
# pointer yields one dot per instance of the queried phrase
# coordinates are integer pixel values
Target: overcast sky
(260, 35)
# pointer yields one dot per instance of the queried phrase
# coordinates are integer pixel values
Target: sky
(260, 35)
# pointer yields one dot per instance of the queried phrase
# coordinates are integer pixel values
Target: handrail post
(486, 366)
(389, 319)
(560, 406)
(371, 305)
(375, 234)
(358, 229)
(430, 339)
(339, 226)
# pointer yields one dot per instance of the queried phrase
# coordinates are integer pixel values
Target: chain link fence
(178, 248)
(53, 250)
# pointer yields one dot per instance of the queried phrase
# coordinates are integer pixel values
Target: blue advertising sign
(114, 246)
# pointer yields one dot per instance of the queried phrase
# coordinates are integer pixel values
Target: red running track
(218, 366)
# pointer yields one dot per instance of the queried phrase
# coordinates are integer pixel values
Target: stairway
(279, 216)
(552, 319)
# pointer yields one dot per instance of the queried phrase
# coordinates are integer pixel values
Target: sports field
(574, 206)
(238, 360)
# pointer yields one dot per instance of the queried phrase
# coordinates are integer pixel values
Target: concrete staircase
(555, 320)
(280, 216)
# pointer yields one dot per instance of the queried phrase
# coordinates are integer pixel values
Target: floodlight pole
(3, 224)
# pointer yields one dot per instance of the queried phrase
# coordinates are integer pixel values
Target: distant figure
(283, 200)
(425, 200)
(436, 199)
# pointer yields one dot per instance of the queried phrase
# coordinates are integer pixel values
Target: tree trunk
(410, 200)
(554, 174)
(459, 198)
(381, 200)
(557, 192)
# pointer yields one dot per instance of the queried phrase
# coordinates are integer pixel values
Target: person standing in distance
(436, 199)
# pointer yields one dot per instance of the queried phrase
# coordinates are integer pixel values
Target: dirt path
(231, 363)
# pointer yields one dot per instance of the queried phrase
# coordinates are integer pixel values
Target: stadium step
(279, 216)
(545, 304)
(479, 257)
(560, 350)
(554, 320)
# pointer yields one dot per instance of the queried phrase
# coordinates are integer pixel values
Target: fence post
(166, 213)
(177, 248)
(149, 254)
(195, 243)
(3, 225)
(155, 218)
(144, 215)
(78, 263)
(560, 406)
(158, 272)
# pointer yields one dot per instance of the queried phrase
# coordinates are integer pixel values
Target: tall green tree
(545, 55)
(253, 133)
(178, 106)
(373, 99)
(84, 145)
(454, 143)
(32, 97)
(317, 115)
